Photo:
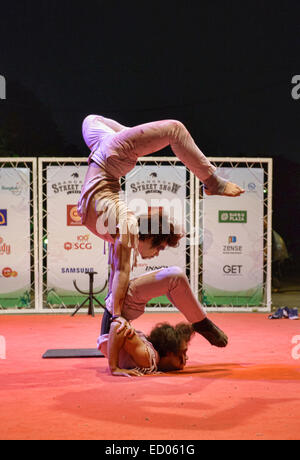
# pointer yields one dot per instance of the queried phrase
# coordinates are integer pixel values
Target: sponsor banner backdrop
(233, 242)
(15, 248)
(159, 187)
(72, 250)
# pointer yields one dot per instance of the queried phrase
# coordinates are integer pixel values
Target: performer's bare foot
(231, 189)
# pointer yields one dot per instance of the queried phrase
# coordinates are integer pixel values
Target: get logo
(9, 273)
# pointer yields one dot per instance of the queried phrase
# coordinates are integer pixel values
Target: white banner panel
(72, 250)
(233, 242)
(15, 281)
(159, 187)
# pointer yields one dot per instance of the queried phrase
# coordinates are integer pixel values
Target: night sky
(224, 68)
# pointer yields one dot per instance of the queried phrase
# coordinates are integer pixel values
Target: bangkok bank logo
(81, 244)
(16, 189)
(9, 273)
(3, 217)
(73, 218)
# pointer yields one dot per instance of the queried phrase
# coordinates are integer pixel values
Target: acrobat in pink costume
(116, 149)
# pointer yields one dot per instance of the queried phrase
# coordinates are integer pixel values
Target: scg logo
(81, 243)
(232, 269)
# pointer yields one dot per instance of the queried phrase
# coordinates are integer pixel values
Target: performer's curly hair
(157, 225)
(166, 338)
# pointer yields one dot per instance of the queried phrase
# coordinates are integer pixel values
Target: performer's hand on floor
(127, 373)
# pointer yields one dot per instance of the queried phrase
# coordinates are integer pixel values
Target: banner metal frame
(61, 161)
(34, 267)
(195, 194)
(267, 165)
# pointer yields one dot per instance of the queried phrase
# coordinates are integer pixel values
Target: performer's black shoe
(211, 332)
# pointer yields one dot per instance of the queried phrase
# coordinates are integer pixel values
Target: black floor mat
(75, 353)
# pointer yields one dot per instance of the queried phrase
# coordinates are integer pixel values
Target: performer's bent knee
(175, 272)
(177, 129)
(89, 118)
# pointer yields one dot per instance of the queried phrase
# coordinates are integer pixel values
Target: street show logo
(232, 247)
(154, 185)
(82, 243)
(73, 218)
(232, 217)
(3, 217)
(71, 187)
(5, 249)
(9, 273)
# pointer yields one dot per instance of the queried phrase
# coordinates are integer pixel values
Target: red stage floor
(250, 390)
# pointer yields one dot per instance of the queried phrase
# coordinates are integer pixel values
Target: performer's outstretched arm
(121, 276)
(133, 345)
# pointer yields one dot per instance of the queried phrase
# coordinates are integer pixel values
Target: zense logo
(3, 217)
(232, 247)
(232, 239)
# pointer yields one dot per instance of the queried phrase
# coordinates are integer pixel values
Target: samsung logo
(67, 270)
